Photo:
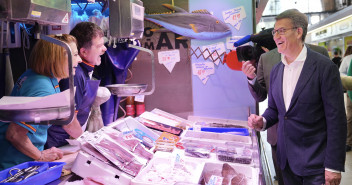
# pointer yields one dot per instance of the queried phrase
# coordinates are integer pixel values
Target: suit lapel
(280, 84)
(306, 73)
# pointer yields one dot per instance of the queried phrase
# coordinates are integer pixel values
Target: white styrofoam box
(86, 165)
(215, 168)
(130, 124)
(214, 139)
(162, 166)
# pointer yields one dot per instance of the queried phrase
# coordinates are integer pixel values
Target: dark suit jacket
(312, 132)
(261, 86)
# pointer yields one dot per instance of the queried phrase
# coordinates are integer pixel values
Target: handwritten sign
(218, 47)
(234, 16)
(169, 58)
(203, 70)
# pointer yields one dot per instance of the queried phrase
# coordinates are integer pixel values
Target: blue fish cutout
(199, 24)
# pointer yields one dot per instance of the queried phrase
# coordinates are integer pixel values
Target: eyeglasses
(281, 31)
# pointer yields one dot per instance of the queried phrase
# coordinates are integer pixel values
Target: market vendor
(21, 142)
(90, 44)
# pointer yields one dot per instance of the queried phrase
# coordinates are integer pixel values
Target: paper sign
(231, 40)
(139, 98)
(65, 19)
(203, 70)
(218, 47)
(234, 16)
(169, 58)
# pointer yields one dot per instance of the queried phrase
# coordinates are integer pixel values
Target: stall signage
(340, 27)
(321, 34)
(36, 14)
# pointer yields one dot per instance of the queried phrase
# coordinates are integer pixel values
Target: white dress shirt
(291, 74)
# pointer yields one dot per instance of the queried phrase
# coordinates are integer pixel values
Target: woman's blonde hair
(50, 59)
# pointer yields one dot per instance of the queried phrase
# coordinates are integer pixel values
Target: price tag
(139, 98)
(128, 135)
(215, 180)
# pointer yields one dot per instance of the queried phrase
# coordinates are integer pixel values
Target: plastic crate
(48, 171)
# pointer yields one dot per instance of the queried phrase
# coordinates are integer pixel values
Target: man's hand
(255, 122)
(332, 178)
(248, 69)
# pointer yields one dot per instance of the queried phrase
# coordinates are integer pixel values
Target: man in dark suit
(307, 103)
(258, 84)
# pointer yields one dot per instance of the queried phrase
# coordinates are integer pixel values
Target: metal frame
(46, 115)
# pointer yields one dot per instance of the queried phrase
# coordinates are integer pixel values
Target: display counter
(196, 157)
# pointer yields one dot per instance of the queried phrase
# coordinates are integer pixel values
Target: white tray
(131, 124)
(194, 167)
(86, 165)
(214, 139)
(252, 174)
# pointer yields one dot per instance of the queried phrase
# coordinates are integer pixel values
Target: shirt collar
(87, 66)
(300, 58)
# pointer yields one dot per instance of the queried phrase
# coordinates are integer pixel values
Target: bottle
(130, 107)
(140, 106)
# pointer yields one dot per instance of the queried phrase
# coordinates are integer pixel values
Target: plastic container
(48, 171)
(164, 145)
(235, 153)
(234, 131)
(214, 139)
(197, 150)
(161, 171)
(218, 169)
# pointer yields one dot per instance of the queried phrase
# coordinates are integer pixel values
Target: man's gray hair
(298, 20)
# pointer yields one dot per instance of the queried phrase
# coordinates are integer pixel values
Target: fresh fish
(228, 173)
(199, 24)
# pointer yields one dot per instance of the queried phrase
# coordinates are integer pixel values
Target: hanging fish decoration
(199, 24)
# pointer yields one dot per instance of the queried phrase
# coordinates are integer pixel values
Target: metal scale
(130, 27)
(43, 13)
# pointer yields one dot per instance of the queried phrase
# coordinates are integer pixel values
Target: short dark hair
(85, 32)
(299, 20)
(348, 51)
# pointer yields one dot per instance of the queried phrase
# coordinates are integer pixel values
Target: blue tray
(48, 171)
(235, 131)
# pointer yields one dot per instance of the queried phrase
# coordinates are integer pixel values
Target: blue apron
(86, 91)
(114, 71)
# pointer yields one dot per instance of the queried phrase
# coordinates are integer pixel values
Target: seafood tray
(131, 124)
(87, 165)
(215, 139)
(231, 173)
(163, 170)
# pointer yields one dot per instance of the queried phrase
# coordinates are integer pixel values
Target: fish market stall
(131, 151)
(187, 124)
